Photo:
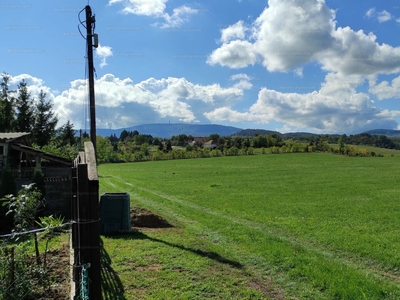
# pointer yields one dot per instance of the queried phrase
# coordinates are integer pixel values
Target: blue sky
(289, 65)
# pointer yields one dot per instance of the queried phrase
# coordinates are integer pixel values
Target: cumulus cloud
(236, 31)
(290, 34)
(34, 85)
(385, 90)
(121, 103)
(336, 107)
(156, 9)
(103, 52)
(236, 54)
(243, 81)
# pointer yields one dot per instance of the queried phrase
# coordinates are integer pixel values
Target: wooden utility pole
(90, 20)
(85, 198)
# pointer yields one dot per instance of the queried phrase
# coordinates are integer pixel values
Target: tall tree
(66, 134)
(25, 118)
(45, 124)
(7, 110)
(124, 134)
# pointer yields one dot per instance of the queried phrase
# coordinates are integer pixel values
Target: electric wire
(37, 230)
(81, 23)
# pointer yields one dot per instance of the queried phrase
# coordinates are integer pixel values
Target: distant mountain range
(168, 130)
(387, 132)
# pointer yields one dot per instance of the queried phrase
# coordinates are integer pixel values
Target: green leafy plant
(24, 208)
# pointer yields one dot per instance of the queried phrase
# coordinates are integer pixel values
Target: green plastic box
(114, 213)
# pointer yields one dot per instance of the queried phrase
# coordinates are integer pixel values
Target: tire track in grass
(350, 261)
(259, 279)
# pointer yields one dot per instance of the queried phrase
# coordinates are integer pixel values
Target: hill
(387, 132)
(253, 132)
(168, 130)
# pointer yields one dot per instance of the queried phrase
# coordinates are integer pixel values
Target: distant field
(301, 226)
(378, 151)
(383, 151)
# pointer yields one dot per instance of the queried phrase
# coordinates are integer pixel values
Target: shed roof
(9, 136)
(48, 156)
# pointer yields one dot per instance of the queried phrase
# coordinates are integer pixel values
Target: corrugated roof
(12, 135)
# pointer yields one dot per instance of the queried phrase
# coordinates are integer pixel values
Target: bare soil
(141, 217)
(57, 277)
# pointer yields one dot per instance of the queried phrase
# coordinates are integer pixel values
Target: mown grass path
(315, 226)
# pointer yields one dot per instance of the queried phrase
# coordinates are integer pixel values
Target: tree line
(133, 146)
(20, 112)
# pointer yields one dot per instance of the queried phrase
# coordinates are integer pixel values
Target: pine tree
(7, 110)
(25, 118)
(44, 128)
(67, 134)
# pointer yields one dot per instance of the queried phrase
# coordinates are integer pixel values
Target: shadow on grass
(111, 285)
(138, 235)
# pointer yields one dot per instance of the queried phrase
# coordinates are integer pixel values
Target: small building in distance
(210, 144)
(22, 160)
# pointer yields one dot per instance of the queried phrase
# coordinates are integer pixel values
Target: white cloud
(103, 52)
(236, 54)
(370, 12)
(156, 9)
(384, 16)
(178, 17)
(290, 34)
(151, 8)
(29, 79)
(385, 90)
(243, 81)
(235, 31)
(336, 108)
(34, 85)
(240, 77)
(121, 103)
(298, 72)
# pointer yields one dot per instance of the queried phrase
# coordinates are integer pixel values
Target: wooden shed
(22, 160)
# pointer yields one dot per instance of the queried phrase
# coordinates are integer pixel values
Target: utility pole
(90, 20)
(86, 281)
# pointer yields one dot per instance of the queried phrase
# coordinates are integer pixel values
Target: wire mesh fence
(26, 275)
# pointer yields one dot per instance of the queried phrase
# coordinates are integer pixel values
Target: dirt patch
(57, 279)
(154, 267)
(141, 217)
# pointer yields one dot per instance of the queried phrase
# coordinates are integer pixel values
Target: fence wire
(24, 275)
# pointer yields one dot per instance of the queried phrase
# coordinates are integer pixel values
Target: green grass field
(288, 226)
